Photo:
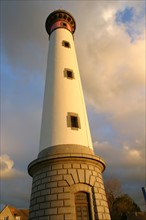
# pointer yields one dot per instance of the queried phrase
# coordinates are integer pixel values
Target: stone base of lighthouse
(68, 186)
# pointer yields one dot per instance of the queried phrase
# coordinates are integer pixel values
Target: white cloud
(114, 77)
(126, 156)
(12, 182)
(6, 162)
(133, 155)
(102, 146)
(108, 14)
(7, 170)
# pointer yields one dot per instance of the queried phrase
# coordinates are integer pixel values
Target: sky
(110, 47)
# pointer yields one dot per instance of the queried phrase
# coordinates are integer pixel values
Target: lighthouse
(67, 175)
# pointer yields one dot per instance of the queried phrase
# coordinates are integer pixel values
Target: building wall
(55, 183)
(63, 95)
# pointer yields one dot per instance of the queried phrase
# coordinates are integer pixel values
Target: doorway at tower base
(68, 186)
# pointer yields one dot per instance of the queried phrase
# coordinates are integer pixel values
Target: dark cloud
(22, 25)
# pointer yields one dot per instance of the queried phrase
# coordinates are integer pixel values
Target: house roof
(18, 212)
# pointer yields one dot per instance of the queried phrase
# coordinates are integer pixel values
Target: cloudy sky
(110, 46)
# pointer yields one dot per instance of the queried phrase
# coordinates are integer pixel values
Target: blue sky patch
(125, 16)
(130, 21)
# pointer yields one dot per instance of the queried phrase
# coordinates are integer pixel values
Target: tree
(125, 204)
(119, 203)
(113, 190)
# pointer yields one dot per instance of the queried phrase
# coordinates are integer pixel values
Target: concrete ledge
(65, 149)
(43, 161)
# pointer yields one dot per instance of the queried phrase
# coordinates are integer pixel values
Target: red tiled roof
(19, 212)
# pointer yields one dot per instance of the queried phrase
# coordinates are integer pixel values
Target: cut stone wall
(55, 182)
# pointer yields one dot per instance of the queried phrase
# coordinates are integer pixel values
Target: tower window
(69, 73)
(60, 15)
(64, 16)
(66, 44)
(73, 121)
(68, 18)
(63, 24)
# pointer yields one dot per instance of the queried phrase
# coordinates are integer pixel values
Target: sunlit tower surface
(67, 175)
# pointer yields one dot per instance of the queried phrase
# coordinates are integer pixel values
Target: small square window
(60, 15)
(69, 73)
(64, 16)
(73, 121)
(63, 24)
(66, 44)
(69, 19)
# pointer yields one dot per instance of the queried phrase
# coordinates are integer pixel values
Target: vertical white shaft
(63, 96)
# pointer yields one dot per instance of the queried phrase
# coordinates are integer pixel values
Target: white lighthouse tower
(67, 180)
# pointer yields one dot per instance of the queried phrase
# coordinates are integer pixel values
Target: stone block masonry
(57, 180)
